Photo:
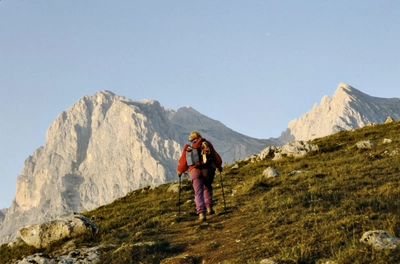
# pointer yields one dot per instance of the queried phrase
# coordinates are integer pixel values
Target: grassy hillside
(310, 217)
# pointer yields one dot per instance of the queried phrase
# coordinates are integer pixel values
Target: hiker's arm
(182, 164)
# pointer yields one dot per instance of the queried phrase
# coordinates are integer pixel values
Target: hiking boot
(202, 217)
(210, 211)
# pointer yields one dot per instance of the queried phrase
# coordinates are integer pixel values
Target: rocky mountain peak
(347, 93)
(343, 87)
(347, 109)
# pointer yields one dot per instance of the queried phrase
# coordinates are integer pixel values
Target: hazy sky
(253, 65)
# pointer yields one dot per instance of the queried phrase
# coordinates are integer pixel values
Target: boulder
(380, 239)
(292, 149)
(173, 188)
(268, 152)
(387, 141)
(236, 166)
(389, 119)
(270, 173)
(297, 148)
(252, 158)
(366, 144)
(186, 259)
(42, 235)
(82, 256)
(296, 172)
(37, 258)
(268, 261)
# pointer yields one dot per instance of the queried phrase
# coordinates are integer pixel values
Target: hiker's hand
(179, 174)
(219, 169)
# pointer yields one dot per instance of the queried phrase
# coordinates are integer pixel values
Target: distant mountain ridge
(106, 145)
(349, 108)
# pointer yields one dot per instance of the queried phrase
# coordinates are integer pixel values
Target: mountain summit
(348, 109)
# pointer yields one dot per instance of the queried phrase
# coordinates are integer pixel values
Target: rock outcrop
(42, 235)
(76, 256)
(380, 240)
(270, 173)
(366, 144)
(294, 149)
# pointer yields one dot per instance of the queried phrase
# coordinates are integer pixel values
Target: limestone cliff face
(98, 150)
(348, 109)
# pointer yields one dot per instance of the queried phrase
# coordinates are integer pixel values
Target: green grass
(312, 217)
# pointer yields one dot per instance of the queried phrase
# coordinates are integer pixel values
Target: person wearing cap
(202, 175)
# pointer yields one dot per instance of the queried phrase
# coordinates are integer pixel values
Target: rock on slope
(347, 109)
(103, 147)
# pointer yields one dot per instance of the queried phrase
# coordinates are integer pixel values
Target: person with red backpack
(201, 159)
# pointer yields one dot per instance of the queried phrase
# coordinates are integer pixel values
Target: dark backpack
(202, 155)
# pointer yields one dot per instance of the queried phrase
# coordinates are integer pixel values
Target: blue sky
(253, 65)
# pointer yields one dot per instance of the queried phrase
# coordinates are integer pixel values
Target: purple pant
(202, 180)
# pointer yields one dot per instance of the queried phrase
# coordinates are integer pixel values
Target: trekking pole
(179, 198)
(222, 186)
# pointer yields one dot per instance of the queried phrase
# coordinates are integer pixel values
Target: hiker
(202, 173)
